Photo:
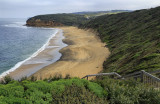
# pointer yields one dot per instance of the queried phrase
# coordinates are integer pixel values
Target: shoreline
(47, 54)
(84, 55)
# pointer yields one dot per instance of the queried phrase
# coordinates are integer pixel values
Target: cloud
(28, 8)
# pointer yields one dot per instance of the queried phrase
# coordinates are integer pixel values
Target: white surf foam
(17, 25)
(32, 56)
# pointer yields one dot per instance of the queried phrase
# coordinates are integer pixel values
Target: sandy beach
(84, 55)
(46, 56)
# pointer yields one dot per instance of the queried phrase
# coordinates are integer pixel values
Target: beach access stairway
(148, 78)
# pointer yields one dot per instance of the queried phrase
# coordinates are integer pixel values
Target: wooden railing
(149, 79)
(103, 74)
(145, 77)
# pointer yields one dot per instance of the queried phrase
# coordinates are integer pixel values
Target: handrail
(155, 72)
(103, 74)
(150, 75)
(143, 75)
(132, 74)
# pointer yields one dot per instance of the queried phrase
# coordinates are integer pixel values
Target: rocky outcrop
(42, 23)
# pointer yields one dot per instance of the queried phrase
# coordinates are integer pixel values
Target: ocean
(19, 43)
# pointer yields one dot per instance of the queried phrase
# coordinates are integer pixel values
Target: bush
(43, 92)
(7, 79)
(129, 92)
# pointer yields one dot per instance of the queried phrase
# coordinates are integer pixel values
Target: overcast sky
(29, 8)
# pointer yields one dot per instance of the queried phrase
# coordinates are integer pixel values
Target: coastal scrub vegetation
(94, 14)
(68, 19)
(133, 39)
(65, 19)
(59, 91)
(75, 91)
(128, 91)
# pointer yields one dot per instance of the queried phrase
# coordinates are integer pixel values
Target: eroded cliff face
(41, 23)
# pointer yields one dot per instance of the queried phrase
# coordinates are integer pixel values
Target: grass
(133, 39)
(134, 42)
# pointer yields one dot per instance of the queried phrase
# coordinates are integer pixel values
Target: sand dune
(84, 55)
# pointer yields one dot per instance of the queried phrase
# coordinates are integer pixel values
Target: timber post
(142, 74)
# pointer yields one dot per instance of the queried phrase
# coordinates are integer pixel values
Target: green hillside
(133, 39)
(100, 13)
(66, 19)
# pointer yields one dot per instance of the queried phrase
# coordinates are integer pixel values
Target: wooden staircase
(145, 77)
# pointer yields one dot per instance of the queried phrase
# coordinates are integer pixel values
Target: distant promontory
(53, 20)
(67, 19)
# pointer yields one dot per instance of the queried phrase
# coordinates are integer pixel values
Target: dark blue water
(18, 42)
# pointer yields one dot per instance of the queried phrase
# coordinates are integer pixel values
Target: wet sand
(46, 57)
(84, 55)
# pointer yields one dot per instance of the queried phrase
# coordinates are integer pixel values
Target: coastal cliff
(41, 23)
(67, 19)
(134, 41)
(52, 20)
